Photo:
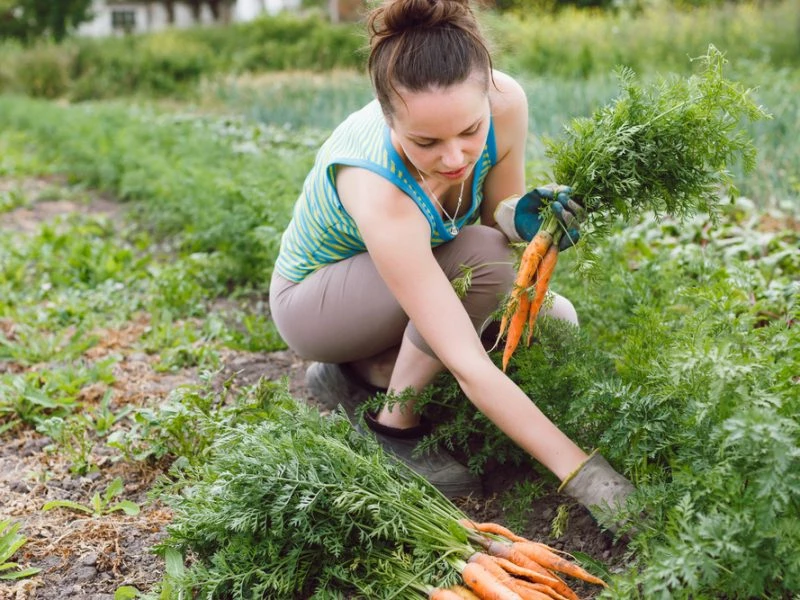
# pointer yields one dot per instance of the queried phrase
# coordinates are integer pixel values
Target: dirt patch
(47, 198)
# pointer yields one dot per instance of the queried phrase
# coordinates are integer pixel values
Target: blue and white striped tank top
(322, 232)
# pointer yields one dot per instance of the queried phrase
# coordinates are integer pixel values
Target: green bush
(286, 42)
(161, 65)
(42, 71)
(660, 38)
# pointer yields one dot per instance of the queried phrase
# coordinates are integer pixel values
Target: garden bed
(83, 555)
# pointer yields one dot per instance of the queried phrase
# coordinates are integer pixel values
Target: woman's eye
(424, 144)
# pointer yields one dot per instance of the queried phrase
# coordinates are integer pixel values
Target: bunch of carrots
(511, 567)
(530, 287)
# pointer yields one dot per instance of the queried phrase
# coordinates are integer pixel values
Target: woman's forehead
(441, 111)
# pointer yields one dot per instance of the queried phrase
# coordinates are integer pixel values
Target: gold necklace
(453, 229)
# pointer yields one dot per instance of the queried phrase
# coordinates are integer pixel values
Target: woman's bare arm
(397, 237)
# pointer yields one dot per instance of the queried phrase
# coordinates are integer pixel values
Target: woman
(424, 179)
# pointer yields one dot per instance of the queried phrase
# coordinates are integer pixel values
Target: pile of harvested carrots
(513, 568)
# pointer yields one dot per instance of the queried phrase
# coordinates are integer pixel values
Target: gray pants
(344, 311)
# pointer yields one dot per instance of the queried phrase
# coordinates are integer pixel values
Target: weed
(34, 396)
(187, 423)
(100, 505)
(559, 523)
(10, 542)
(11, 199)
(70, 438)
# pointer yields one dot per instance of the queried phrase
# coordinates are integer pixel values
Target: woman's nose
(453, 157)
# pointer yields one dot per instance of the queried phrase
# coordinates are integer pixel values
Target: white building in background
(113, 17)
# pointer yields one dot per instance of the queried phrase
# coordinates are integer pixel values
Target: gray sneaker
(337, 384)
(437, 466)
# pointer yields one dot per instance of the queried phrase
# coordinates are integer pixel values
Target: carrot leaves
(665, 148)
(302, 502)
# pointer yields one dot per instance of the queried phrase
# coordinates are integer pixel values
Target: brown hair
(423, 44)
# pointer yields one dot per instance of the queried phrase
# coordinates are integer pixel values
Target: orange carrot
(531, 257)
(546, 268)
(545, 556)
(444, 594)
(494, 528)
(541, 588)
(464, 593)
(503, 325)
(489, 563)
(505, 578)
(485, 585)
(512, 554)
(515, 328)
(508, 552)
(530, 574)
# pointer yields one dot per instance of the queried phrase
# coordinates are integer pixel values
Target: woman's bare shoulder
(509, 114)
(507, 97)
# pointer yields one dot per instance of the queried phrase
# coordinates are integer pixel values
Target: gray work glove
(598, 487)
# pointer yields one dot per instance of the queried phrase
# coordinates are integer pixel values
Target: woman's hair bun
(400, 15)
(419, 44)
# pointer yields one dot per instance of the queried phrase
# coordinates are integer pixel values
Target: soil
(90, 557)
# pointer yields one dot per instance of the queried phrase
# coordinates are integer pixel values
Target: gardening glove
(598, 487)
(520, 217)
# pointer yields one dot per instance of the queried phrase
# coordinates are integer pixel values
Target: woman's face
(442, 131)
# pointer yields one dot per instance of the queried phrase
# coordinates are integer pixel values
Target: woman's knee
(489, 255)
(562, 308)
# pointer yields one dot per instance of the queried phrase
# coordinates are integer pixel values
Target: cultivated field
(137, 237)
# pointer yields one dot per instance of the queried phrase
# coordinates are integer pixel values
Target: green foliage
(561, 365)
(100, 504)
(299, 503)
(286, 42)
(518, 503)
(176, 165)
(35, 396)
(71, 439)
(666, 148)
(42, 71)
(126, 592)
(311, 100)
(186, 425)
(29, 19)
(167, 64)
(657, 38)
(173, 62)
(10, 542)
(11, 200)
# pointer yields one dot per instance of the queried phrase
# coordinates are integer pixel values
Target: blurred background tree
(27, 20)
